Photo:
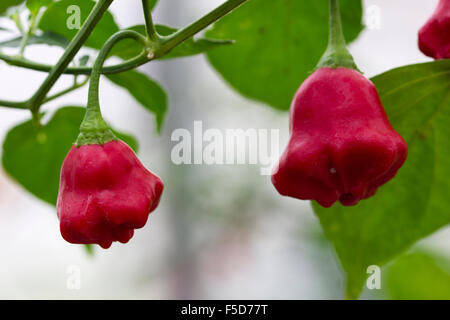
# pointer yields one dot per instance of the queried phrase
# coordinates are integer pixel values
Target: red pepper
(105, 193)
(434, 36)
(342, 146)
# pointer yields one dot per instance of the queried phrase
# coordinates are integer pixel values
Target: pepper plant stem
(150, 27)
(164, 45)
(93, 129)
(94, 17)
(178, 37)
(337, 54)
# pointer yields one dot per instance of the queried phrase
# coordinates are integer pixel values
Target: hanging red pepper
(105, 192)
(342, 146)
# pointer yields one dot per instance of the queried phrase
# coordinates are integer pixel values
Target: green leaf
(415, 203)
(48, 38)
(128, 49)
(153, 3)
(145, 90)
(5, 4)
(278, 43)
(35, 5)
(33, 157)
(55, 19)
(419, 276)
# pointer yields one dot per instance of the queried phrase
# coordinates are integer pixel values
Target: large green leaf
(5, 4)
(128, 49)
(55, 20)
(33, 157)
(145, 90)
(277, 44)
(419, 276)
(415, 203)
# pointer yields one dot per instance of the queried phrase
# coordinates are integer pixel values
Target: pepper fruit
(105, 192)
(434, 36)
(342, 146)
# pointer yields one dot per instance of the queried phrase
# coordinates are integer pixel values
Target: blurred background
(220, 232)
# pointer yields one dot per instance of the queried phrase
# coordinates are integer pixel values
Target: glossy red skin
(434, 36)
(342, 146)
(105, 193)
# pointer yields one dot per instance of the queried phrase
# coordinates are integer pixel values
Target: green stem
(121, 67)
(178, 37)
(150, 27)
(166, 44)
(75, 45)
(74, 87)
(13, 104)
(337, 54)
(28, 34)
(93, 129)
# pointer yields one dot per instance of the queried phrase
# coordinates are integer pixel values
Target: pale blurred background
(220, 231)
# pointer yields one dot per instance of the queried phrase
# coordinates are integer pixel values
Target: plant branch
(13, 104)
(74, 87)
(36, 66)
(75, 45)
(178, 37)
(150, 27)
(165, 45)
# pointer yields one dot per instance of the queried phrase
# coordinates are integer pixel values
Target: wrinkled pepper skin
(434, 36)
(105, 193)
(342, 146)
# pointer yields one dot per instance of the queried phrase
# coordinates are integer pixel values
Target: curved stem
(94, 17)
(165, 45)
(150, 27)
(93, 129)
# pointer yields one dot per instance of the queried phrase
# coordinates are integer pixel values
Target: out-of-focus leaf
(35, 5)
(55, 20)
(419, 276)
(415, 203)
(33, 157)
(128, 49)
(153, 3)
(48, 38)
(278, 43)
(145, 90)
(5, 4)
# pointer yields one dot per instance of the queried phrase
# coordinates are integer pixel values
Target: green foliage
(153, 3)
(277, 44)
(33, 156)
(55, 18)
(145, 90)
(128, 49)
(35, 5)
(5, 4)
(415, 203)
(419, 276)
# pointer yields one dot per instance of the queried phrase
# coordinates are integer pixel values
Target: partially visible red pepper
(434, 36)
(105, 193)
